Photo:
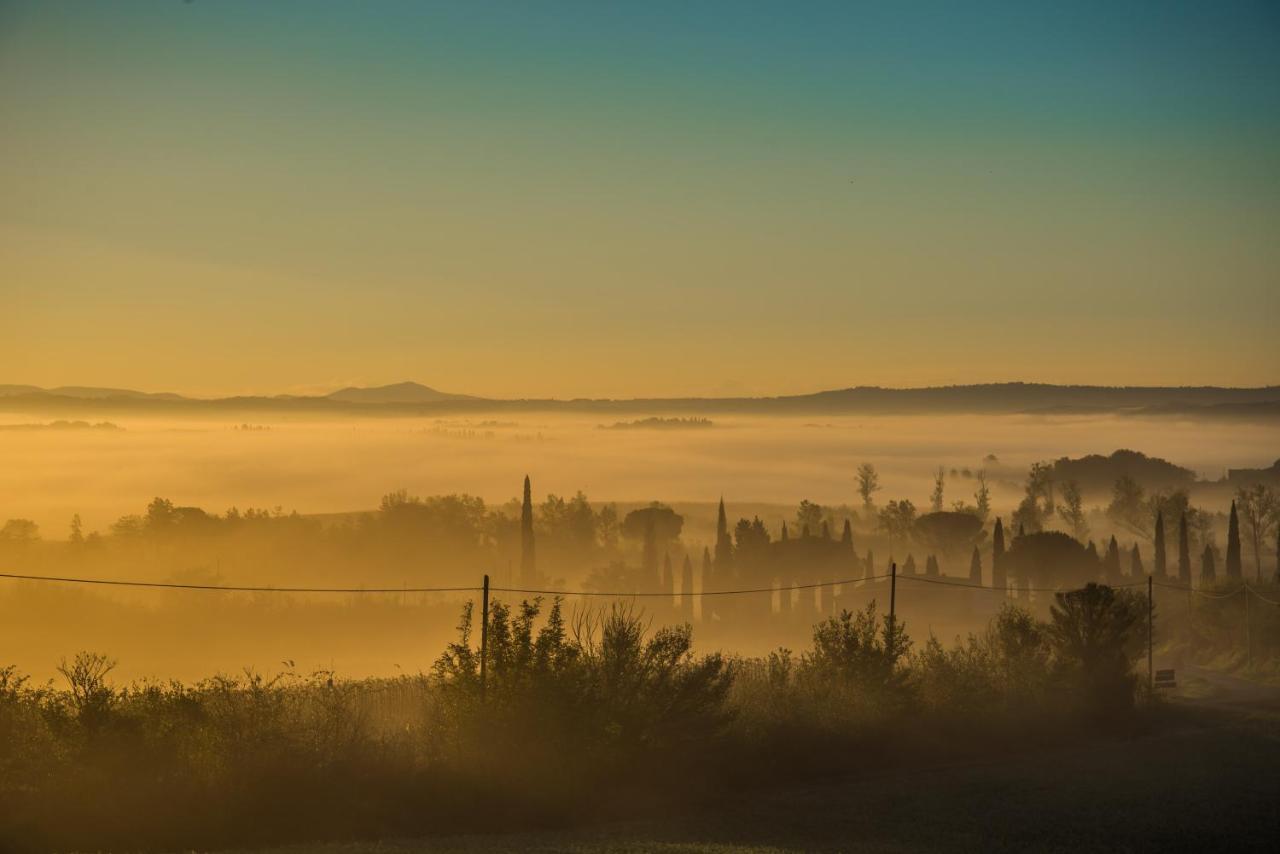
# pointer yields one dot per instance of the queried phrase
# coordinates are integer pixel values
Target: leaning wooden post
(484, 637)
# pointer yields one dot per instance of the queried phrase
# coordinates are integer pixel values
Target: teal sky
(634, 199)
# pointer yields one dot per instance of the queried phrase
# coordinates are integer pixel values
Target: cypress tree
(1158, 568)
(708, 582)
(724, 545)
(785, 535)
(1112, 563)
(909, 568)
(871, 564)
(649, 557)
(528, 570)
(686, 589)
(1208, 572)
(1135, 563)
(846, 537)
(931, 566)
(998, 577)
(804, 532)
(668, 580)
(826, 530)
(975, 568)
(1184, 552)
(1234, 569)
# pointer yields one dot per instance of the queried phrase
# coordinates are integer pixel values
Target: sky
(603, 199)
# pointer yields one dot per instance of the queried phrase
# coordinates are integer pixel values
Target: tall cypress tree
(826, 530)
(975, 568)
(1158, 568)
(668, 580)
(1234, 569)
(1135, 563)
(931, 566)
(686, 589)
(998, 577)
(528, 569)
(909, 567)
(649, 557)
(1208, 572)
(1184, 552)
(785, 536)
(871, 564)
(1112, 563)
(708, 582)
(846, 536)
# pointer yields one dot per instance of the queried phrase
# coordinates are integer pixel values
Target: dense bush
(588, 716)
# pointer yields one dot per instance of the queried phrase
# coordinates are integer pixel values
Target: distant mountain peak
(403, 392)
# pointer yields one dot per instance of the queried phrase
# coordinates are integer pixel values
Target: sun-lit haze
(634, 200)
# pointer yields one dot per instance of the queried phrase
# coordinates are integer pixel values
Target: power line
(234, 588)
(965, 584)
(702, 593)
(251, 589)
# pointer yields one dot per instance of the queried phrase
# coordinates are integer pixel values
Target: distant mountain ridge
(406, 392)
(411, 398)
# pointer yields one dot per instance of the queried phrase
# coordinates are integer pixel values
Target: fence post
(1151, 636)
(484, 637)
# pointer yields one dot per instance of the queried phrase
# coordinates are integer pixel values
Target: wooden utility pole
(893, 595)
(484, 637)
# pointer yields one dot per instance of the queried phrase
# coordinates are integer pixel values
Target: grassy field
(1204, 779)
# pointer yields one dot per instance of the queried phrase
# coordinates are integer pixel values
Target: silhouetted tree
(999, 578)
(77, 531)
(1234, 568)
(528, 569)
(871, 563)
(686, 590)
(1259, 507)
(1072, 510)
(868, 485)
(649, 558)
(786, 536)
(1112, 563)
(975, 567)
(1184, 551)
(846, 536)
(982, 496)
(826, 530)
(708, 582)
(808, 515)
(1158, 568)
(723, 544)
(1098, 633)
(1208, 568)
(931, 566)
(1135, 563)
(909, 566)
(939, 486)
(1127, 507)
(668, 580)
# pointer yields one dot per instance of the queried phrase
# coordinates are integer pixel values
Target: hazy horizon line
(323, 391)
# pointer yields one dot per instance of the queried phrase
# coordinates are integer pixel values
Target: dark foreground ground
(1208, 779)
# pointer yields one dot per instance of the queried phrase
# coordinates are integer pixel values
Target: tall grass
(580, 716)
